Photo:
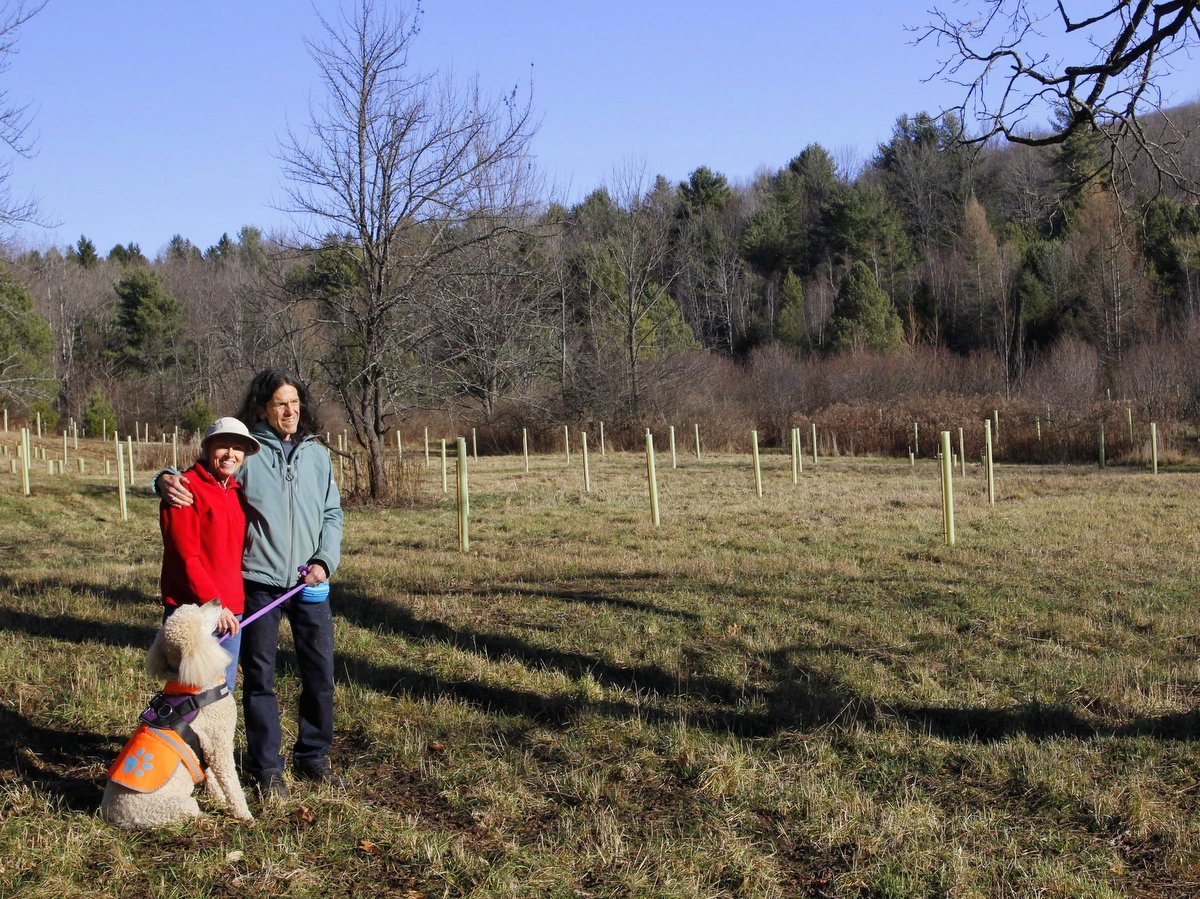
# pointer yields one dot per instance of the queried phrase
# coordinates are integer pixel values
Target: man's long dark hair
(263, 387)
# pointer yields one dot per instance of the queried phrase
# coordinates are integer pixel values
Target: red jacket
(202, 544)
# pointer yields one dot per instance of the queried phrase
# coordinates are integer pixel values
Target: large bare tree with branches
(395, 163)
(1038, 72)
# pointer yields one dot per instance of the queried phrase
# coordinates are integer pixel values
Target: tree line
(436, 277)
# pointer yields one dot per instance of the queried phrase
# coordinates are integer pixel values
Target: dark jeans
(312, 634)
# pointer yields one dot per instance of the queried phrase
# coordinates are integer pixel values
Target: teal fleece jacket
(293, 510)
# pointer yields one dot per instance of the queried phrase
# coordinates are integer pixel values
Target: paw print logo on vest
(139, 762)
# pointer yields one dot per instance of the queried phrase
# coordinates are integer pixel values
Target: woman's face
(225, 456)
(282, 411)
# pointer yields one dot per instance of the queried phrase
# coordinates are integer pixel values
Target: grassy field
(806, 694)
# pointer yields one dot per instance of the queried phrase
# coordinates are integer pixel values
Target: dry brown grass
(806, 694)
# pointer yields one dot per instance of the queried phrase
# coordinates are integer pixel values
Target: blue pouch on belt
(319, 593)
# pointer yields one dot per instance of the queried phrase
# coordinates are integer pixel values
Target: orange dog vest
(154, 752)
(151, 757)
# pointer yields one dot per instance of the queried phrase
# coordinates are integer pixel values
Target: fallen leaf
(367, 846)
(304, 815)
(437, 747)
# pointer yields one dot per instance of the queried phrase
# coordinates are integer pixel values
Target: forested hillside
(932, 268)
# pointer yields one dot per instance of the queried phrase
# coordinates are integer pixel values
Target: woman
(203, 543)
(293, 518)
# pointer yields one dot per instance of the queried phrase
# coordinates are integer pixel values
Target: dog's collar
(179, 703)
(179, 688)
(169, 710)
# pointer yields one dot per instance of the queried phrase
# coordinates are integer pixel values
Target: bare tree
(392, 162)
(1017, 82)
(14, 117)
(714, 285)
(77, 302)
(496, 328)
(1110, 284)
(630, 271)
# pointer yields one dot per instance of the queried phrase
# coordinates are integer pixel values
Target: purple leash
(250, 619)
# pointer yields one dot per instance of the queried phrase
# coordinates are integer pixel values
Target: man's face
(282, 411)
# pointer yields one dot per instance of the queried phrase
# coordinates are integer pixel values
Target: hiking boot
(272, 787)
(321, 773)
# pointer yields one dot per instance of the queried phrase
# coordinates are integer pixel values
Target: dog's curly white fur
(185, 650)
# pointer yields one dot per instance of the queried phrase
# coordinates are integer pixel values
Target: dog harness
(164, 740)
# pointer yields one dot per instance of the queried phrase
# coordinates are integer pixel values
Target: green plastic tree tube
(121, 479)
(757, 467)
(947, 489)
(587, 470)
(464, 505)
(987, 456)
(652, 479)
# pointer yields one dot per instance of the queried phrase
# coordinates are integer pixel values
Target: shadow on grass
(1038, 722)
(1172, 726)
(76, 630)
(803, 697)
(797, 696)
(807, 697)
(387, 679)
(370, 613)
(594, 597)
(555, 710)
(49, 759)
(114, 594)
(1035, 721)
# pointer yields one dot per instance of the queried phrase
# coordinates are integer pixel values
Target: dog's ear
(202, 659)
(159, 666)
(204, 663)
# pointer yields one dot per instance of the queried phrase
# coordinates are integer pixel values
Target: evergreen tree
(1078, 172)
(251, 246)
(792, 328)
(180, 249)
(26, 346)
(704, 191)
(222, 250)
(792, 229)
(196, 415)
(149, 322)
(98, 415)
(83, 253)
(130, 254)
(929, 171)
(1169, 235)
(863, 316)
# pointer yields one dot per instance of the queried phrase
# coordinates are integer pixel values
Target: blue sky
(160, 118)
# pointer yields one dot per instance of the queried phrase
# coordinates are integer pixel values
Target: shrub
(98, 415)
(48, 413)
(196, 415)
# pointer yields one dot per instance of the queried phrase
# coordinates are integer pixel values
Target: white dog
(186, 729)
